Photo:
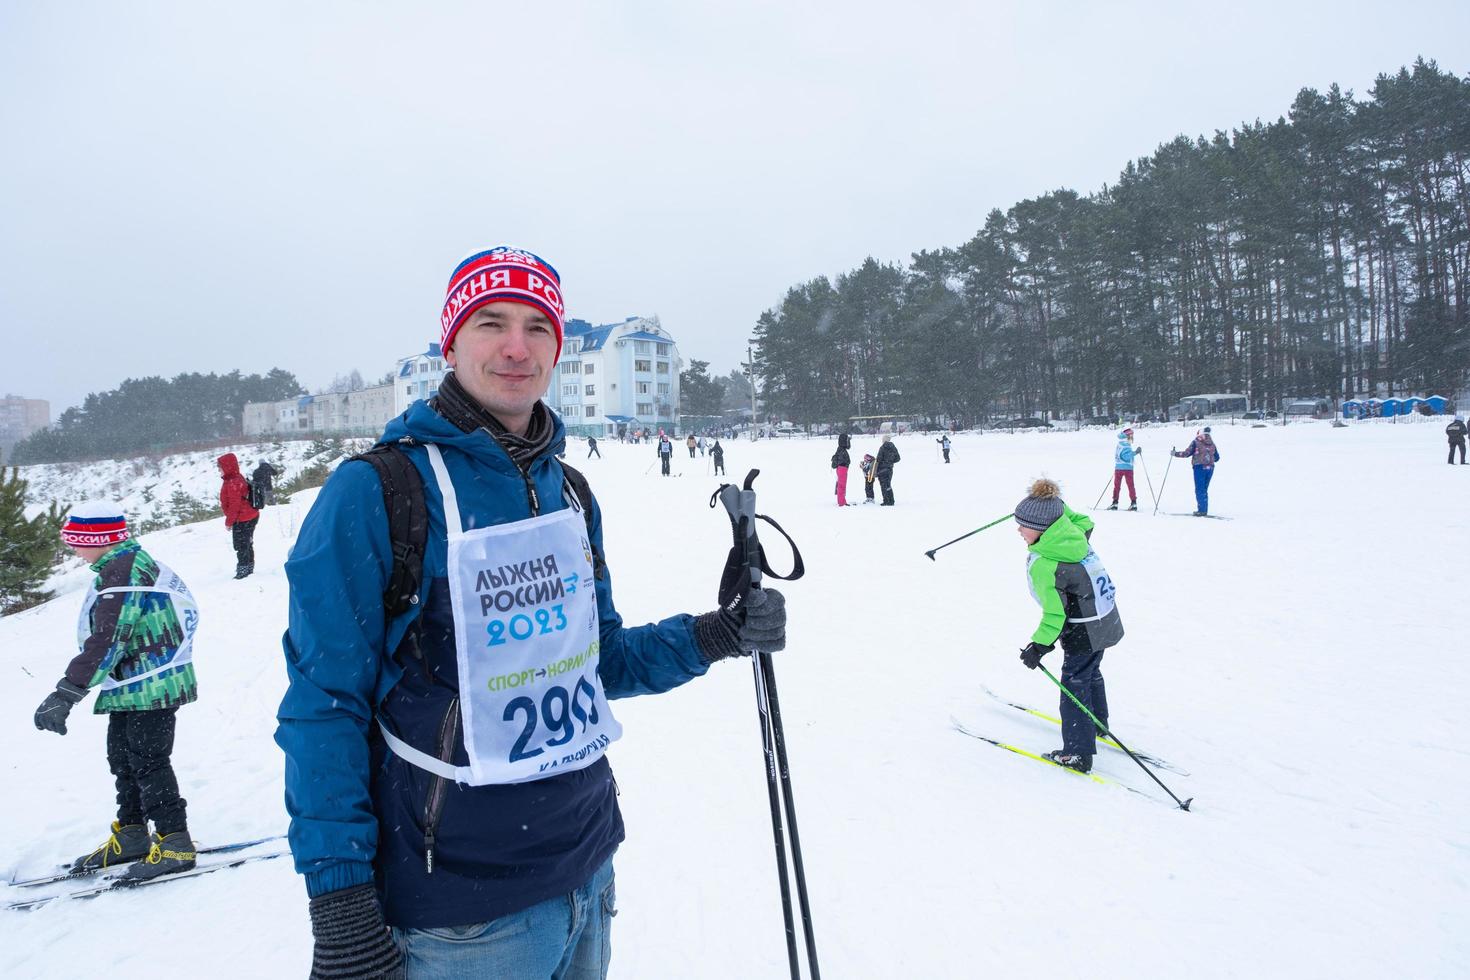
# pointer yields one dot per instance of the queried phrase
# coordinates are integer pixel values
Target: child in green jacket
(1076, 596)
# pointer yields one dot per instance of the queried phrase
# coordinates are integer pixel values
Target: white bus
(1208, 406)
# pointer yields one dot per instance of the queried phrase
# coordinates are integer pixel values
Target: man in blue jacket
(445, 769)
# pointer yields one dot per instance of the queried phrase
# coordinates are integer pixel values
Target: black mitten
(351, 941)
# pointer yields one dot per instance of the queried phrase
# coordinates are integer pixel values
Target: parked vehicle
(1208, 406)
(1311, 408)
(1024, 422)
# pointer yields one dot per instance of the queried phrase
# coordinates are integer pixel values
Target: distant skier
(665, 452)
(136, 633)
(1077, 608)
(240, 516)
(1456, 433)
(887, 457)
(1205, 455)
(690, 443)
(717, 453)
(841, 460)
(944, 445)
(262, 493)
(700, 443)
(592, 449)
(1123, 469)
(869, 468)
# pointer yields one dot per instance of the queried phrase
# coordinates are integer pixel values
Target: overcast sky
(202, 186)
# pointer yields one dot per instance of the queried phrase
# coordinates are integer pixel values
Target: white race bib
(527, 644)
(1103, 591)
(186, 610)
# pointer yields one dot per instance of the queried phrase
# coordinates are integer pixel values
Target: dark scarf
(460, 408)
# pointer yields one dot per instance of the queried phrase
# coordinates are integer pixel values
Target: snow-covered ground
(145, 485)
(1302, 661)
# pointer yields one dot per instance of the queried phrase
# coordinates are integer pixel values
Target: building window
(663, 350)
(663, 389)
(590, 390)
(423, 367)
(571, 367)
(642, 387)
(645, 408)
(569, 390)
(408, 391)
(663, 367)
(642, 347)
(590, 368)
(642, 365)
(590, 411)
(438, 364)
(613, 386)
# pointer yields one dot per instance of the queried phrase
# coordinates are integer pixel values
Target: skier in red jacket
(240, 517)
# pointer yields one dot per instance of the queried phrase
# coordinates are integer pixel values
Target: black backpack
(408, 522)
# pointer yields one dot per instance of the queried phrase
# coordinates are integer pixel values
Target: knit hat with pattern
(1042, 507)
(95, 524)
(501, 274)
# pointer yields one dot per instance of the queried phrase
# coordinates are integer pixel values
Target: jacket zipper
(437, 789)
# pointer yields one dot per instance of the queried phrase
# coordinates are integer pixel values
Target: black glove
(1138, 451)
(51, 715)
(351, 940)
(1033, 652)
(759, 625)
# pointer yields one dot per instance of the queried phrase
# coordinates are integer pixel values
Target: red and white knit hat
(501, 274)
(95, 524)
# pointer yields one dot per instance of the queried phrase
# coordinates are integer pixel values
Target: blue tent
(1393, 406)
(1438, 404)
(1352, 409)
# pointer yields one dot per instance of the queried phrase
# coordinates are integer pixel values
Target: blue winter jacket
(1123, 455)
(358, 812)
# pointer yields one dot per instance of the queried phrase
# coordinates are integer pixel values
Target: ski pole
(1104, 729)
(650, 467)
(1150, 482)
(741, 505)
(1165, 481)
(1100, 496)
(962, 537)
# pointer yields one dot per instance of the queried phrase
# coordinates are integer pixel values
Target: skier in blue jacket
(446, 774)
(1123, 457)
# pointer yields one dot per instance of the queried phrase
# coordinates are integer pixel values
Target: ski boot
(1070, 760)
(1133, 506)
(1113, 505)
(127, 843)
(170, 854)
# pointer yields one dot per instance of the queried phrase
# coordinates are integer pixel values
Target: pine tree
(28, 548)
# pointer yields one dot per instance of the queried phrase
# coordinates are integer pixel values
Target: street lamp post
(750, 368)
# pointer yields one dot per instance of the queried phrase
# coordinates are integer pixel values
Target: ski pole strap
(740, 505)
(798, 567)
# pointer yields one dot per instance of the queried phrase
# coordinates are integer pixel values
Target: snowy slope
(144, 485)
(1290, 659)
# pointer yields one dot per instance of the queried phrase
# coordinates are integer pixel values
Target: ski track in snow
(1285, 658)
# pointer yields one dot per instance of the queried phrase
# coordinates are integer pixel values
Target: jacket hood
(228, 465)
(422, 424)
(1063, 542)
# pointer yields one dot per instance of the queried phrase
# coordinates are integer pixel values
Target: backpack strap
(574, 479)
(408, 525)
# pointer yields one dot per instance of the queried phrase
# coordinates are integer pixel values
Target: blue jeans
(1082, 675)
(1202, 475)
(564, 938)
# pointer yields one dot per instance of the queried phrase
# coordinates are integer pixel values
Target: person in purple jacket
(1204, 454)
